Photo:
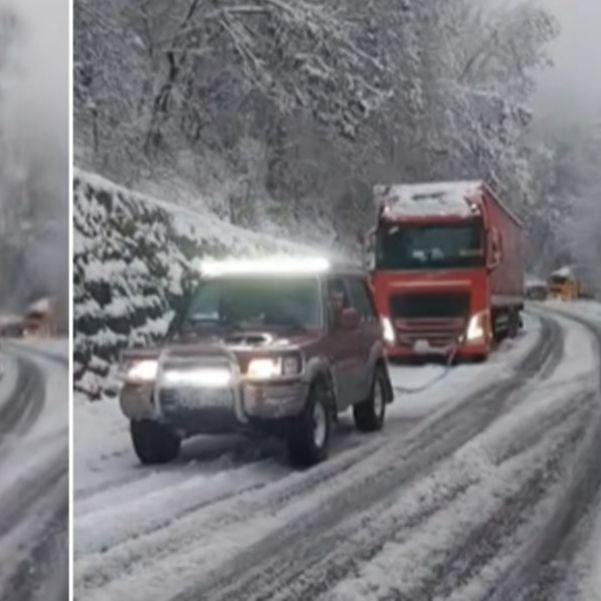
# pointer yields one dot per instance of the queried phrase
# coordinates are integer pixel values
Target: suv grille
(438, 318)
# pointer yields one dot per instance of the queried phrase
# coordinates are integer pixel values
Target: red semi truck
(447, 269)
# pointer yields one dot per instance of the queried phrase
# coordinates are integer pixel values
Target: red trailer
(448, 270)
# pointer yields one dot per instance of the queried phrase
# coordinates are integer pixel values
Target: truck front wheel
(309, 435)
(154, 442)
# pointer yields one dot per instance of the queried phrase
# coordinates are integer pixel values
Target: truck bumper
(463, 351)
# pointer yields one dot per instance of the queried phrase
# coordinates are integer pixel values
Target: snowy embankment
(134, 257)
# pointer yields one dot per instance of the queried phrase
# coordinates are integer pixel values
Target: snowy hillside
(133, 256)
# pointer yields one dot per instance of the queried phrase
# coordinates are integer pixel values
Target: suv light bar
(273, 265)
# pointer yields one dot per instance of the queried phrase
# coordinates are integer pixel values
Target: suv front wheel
(153, 442)
(369, 415)
(309, 435)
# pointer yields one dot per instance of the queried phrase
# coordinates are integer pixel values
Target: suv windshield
(430, 247)
(255, 302)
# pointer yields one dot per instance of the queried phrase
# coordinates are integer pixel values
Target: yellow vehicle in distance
(564, 285)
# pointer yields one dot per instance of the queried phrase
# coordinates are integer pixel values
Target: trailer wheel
(153, 442)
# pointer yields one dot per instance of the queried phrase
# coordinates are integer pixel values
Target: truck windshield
(254, 303)
(431, 246)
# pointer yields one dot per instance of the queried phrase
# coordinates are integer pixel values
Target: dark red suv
(273, 346)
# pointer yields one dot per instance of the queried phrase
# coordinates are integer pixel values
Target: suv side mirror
(349, 319)
(494, 254)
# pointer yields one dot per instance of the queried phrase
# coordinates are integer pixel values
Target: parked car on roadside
(279, 347)
(536, 289)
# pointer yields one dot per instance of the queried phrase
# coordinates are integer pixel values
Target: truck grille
(440, 319)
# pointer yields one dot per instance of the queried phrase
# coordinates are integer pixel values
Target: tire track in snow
(24, 404)
(96, 569)
(250, 574)
(33, 521)
(430, 444)
(546, 566)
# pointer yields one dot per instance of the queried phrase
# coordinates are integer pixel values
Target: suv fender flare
(318, 368)
(377, 358)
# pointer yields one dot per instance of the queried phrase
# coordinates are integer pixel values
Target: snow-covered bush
(134, 256)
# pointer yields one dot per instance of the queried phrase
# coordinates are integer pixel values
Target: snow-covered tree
(332, 96)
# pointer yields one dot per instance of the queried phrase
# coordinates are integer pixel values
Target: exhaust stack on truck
(447, 268)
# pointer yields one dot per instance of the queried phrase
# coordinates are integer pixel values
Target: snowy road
(34, 472)
(485, 486)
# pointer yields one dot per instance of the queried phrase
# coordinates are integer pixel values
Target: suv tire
(369, 415)
(309, 435)
(153, 442)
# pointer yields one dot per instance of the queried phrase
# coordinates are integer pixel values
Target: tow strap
(438, 378)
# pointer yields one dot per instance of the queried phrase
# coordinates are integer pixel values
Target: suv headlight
(388, 330)
(266, 368)
(141, 371)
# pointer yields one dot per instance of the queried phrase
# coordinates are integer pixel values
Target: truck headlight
(476, 329)
(388, 330)
(266, 368)
(144, 370)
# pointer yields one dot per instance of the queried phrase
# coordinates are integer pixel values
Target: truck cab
(445, 269)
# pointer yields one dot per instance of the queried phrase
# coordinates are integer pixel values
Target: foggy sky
(571, 90)
(39, 81)
(35, 127)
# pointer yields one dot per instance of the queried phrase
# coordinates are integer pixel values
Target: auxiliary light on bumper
(203, 377)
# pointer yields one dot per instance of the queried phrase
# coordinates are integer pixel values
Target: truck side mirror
(494, 254)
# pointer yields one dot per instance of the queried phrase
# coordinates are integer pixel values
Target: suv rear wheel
(369, 415)
(153, 442)
(309, 435)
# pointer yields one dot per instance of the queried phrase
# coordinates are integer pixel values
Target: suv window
(337, 296)
(246, 302)
(361, 299)
(338, 292)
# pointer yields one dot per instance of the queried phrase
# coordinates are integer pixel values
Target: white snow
(564, 272)
(28, 456)
(534, 281)
(42, 305)
(431, 199)
(587, 309)
(160, 525)
(143, 532)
